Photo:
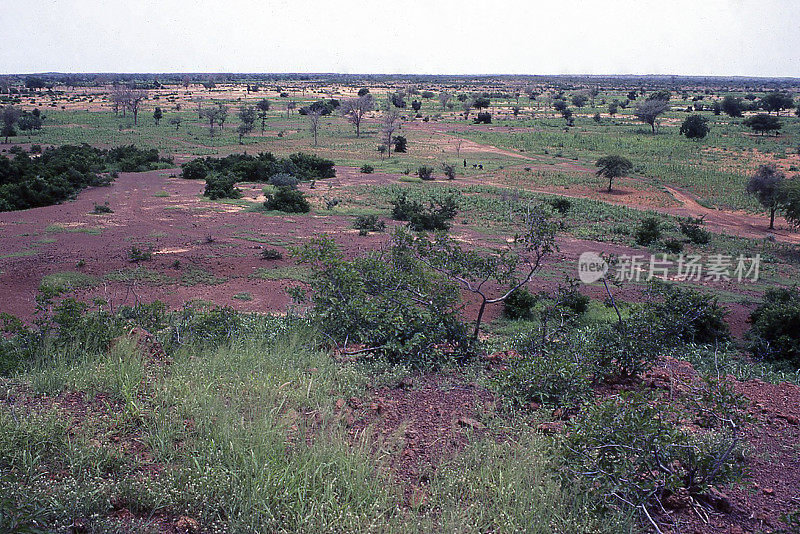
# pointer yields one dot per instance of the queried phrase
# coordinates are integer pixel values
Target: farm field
(277, 322)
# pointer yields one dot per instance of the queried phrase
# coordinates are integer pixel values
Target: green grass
(58, 229)
(69, 281)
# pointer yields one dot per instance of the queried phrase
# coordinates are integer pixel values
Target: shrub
(551, 377)
(449, 171)
(221, 186)
(425, 173)
(100, 209)
(436, 216)
(570, 298)
(673, 245)
(392, 305)
(282, 179)
(484, 117)
(649, 231)
(687, 316)
(691, 228)
(367, 169)
(519, 305)
(369, 223)
(633, 452)
(400, 143)
(312, 167)
(560, 204)
(135, 254)
(194, 170)
(775, 326)
(271, 254)
(287, 200)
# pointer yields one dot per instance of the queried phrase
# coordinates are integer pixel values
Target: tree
(790, 200)
(732, 106)
(158, 115)
(363, 91)
(444, 98)
(30, 121)
(559, 105)
(356, 108)
(481, 102)
(290, 105)
(134, 99)
(466, 107)
(613, 167)
(695, 127)
(247, 118)
(214, 115)
(416, 105)
(9, 116)
(391, 122)
(175, 121)
(649, 110)
(263, 107)
(777, 101)
(314, 117)
(579, 100)
(763, 123)
(632, 95)
(613, 108)
(512, 267)
(767, 186)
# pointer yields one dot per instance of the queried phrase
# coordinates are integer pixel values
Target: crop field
(267, 313)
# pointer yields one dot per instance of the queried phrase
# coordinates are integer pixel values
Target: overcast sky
(698, 37)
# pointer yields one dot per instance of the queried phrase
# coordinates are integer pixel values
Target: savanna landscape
(357, 303)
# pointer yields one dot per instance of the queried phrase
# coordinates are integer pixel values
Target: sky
(682, 37)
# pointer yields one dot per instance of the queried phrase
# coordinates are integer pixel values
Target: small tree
(9, 116)
(158, 115)
(134, 99)
(763, 123)
(767, 186)
(790, 200)
(777, 101)
(176, 122)
(695, 127)
(731, 106)
(391, 122)
(314, 117)
(444, 98)
(290, 105)
(263, 107)
(613, 167)
(649, 110)
(355, 109)
(511, 267)
(613, 108)
(416, 105)
(247, 116)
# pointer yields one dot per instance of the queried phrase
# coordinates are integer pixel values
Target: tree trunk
(609, 184)
(479, 319)
(772, 218)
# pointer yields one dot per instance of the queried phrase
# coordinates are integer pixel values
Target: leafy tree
(663, 95)
(397, 100)
(732, 106)
(763, 123)
(777, 101)
(444, 98)
(511, 267)
(434, 217)
(215, 115)
(175, 121)
(483, 118)
(695, 127)
(481, 102)
(263, 106)
(416, 105)
(790, 200)
(30, 121)
(9, 115)
(355, 109)
(157, 115)
(613, 108)
(579, 100)
(649, 110)
(767, 186)
(221, 186)
(559, 105)
(613, 166)
(363, 91)
(247, 118)
(631, 95)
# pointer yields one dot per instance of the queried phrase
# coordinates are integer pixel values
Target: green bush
(392, 305)
(400, 144)
(425, 173)
(687, 316)
(287, 200)
(271, 254)
(436, 216)
(692, 228)
(194, 170)
(519, 305)
(370, 223)
(560, 204)
(775, 326)
(649, 231)
(367, 169)
(135, 254)
(221, 186)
